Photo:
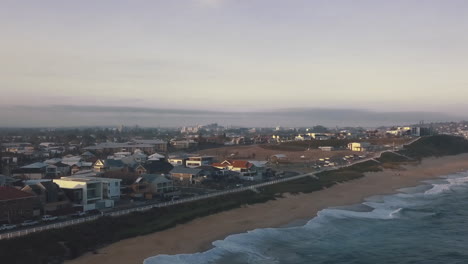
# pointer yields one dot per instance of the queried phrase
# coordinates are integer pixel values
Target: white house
(247, 170)
(197, 161)
(90, 192)
(358, 146)
(302, 137)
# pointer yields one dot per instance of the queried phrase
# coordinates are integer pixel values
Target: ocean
(423, 224)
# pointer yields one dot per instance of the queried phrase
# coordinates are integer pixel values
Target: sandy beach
(198, 234)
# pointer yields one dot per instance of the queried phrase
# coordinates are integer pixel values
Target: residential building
(85, 193)
(150, 185)
(183, 144)
(36, 171)
(17, 206)
(197, 161)
(149, 147)
(302, 137)
(7, 181)
(109, 165)
(187, 175)
(51, 197)
(319, 136)
(359, 146)
(140, 169)
(246, 170)
(81, 166)
(178, 160)
(156, 156)
(158, 167)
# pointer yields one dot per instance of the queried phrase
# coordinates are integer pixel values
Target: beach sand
(197, 235)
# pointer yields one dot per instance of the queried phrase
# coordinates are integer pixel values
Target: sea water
(423, 224)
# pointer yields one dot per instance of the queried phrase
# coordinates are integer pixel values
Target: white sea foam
(447, 186)
(250, 247)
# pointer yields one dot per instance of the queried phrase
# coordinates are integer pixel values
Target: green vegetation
(389, 157)
(303, 145)
(439, 145)
(73, 241)
(56, 245)
(356, 171)
(336, 143)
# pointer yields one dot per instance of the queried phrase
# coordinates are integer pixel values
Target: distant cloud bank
(74, 115)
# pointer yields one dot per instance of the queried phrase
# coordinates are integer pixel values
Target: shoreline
(198, 235)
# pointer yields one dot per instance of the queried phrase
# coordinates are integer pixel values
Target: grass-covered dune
(439, 145)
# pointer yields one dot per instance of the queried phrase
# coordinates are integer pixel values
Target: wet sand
(198, 235)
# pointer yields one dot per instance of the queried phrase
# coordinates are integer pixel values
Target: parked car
(49, 218)
(29, 223)
(7, 227)
(79, 214)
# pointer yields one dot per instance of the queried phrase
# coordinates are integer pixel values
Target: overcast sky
(232, 55)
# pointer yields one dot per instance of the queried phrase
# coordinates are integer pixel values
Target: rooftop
(180, 169)
(9, 193)
(37, 165)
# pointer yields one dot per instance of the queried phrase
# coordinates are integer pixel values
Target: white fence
(47, 227)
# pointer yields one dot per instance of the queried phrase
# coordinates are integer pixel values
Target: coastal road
(61, 224)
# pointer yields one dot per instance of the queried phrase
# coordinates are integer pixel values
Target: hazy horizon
(72, 116)
(374, 59)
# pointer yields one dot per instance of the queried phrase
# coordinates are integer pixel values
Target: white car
(29, 223)
(7, 227)
(49, 218)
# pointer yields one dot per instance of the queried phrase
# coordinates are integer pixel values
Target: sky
(232, 56)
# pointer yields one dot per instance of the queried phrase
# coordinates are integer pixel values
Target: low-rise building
(17, 206)
(359, 146)
(51, 197)
(147, 146)
(177, 160)
(183, 144)
(109, 165)
(7, 181)
(197, 161)
(150, 185)
(247, 170)
(186, 175)
(36, 171)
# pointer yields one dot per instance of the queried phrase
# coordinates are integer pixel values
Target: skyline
(233, 56)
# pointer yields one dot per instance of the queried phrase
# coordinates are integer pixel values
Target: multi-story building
(90, 193)
(197, 161)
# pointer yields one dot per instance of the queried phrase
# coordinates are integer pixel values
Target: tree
(320, 129)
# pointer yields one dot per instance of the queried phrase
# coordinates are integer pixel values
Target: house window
(116, 184)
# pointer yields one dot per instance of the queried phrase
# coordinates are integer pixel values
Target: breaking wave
(409, 222)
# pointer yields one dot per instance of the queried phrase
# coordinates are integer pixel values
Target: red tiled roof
(218, 165)
(243, 164)
(9, 193)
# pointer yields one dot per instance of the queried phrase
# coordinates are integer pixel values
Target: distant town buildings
(359, 146)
